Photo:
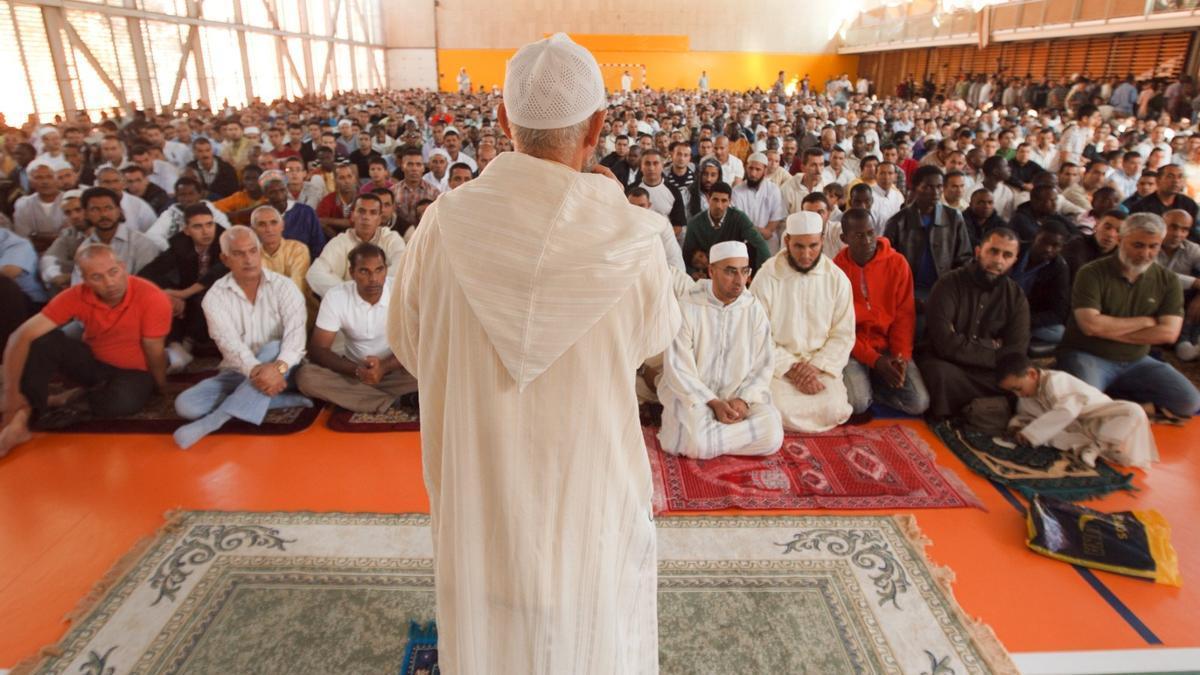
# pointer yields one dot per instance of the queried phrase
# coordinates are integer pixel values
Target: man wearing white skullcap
(716, 384)
(526, 301)
(761, 200)
(439, 169)
(39, 215)
(811, 308)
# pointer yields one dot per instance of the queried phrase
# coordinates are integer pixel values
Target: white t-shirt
(362, 324)
(732, 170)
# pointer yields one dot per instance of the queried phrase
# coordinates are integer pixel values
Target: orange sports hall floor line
(72, 505)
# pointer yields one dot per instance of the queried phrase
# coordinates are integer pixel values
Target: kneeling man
(367, 378)
(811, 309)
(716, 384)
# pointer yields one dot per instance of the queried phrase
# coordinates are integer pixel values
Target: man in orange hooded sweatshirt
(881, 364)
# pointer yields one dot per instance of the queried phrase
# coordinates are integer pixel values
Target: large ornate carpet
(223, 592)
(847, 468)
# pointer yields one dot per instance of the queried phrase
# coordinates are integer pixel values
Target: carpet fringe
(100, 589)
(956, 482)
(984, 637)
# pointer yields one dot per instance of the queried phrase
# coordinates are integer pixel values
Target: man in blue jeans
(1121, 305)
(257, 318)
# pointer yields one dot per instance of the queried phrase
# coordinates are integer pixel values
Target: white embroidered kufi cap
(552, 83)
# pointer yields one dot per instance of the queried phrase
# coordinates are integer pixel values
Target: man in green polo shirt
(722, 222)
(1121, 305)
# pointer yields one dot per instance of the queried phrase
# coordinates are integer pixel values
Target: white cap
(804, 222)
(451, 130)
(77, 193)
(251, 130)
(440, 151)
(757, 157)
(727, 249)
(841, 122)
(552, 83)
(49, 162)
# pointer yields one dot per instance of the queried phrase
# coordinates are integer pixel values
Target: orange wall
(726, 70)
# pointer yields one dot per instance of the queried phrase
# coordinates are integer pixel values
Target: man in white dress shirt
(886, 200)
(716, 383)
(995, 180)
(365, 377)
(837, 171)
(732, 169)
(811, 308)
(257, 319)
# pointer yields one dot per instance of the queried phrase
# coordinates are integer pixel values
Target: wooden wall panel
(1144, 55)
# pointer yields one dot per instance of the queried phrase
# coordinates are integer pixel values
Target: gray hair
(236, 232)
(552, 144)
(94, 250)
(265, 208)
(1143, 222)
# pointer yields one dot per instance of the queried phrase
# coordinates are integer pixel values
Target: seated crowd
(828, 250)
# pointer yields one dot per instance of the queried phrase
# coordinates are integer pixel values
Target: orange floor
(70, 506)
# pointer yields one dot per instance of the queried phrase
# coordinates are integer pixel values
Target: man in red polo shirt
(119, 363)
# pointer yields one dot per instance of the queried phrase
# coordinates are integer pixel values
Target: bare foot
(65, 398)
(16, 433)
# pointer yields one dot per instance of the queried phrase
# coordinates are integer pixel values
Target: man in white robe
(811, 308)
(1060, 410)
(524, 306)
(716, 383)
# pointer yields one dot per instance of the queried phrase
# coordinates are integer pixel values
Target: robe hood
(542, 253)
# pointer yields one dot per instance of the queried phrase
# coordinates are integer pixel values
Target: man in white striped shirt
(716, 384)
(257, 318)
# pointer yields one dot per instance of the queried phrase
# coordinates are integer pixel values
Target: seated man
(976, 314)
(120, 362)
(333, 266)
(1084, 248)
(980, 216)
(1121, 306)
(1182, 256)
(256, 317)
(172, 220)
(101, 208)
(811, 309)
(716, 383)
(885, 318)
(758, 198)
(185, 271)
(640, 197)
(1057, 409)
(931, 236)
(1040, 209)
(1045, 279)
(19, 262)
(367, 378)
(250, 196)
(300, 222)
(58, 262)
(721, 222)
(282, 256)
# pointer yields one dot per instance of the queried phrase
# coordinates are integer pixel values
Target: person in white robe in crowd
(811, 308)
(760, 199)
(716, 383)
(535, 464)
(1058, 409)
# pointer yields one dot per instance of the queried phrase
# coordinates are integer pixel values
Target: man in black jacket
(185, 271)
(1168, 196)
(976, 314)
(931, 236)
(980, 215)
(1044, 276)
(1041, 208)
(218, 177)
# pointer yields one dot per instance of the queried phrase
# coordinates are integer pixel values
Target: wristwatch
(281, 367)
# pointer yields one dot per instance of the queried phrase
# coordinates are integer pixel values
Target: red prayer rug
(847, 468)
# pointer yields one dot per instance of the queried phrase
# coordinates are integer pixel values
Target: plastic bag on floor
(1136, 543)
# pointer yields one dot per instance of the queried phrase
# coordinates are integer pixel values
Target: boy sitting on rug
(715, 387)
(1060, 410)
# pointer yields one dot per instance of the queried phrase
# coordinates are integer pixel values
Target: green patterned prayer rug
(220, 592)
(1042, 470)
